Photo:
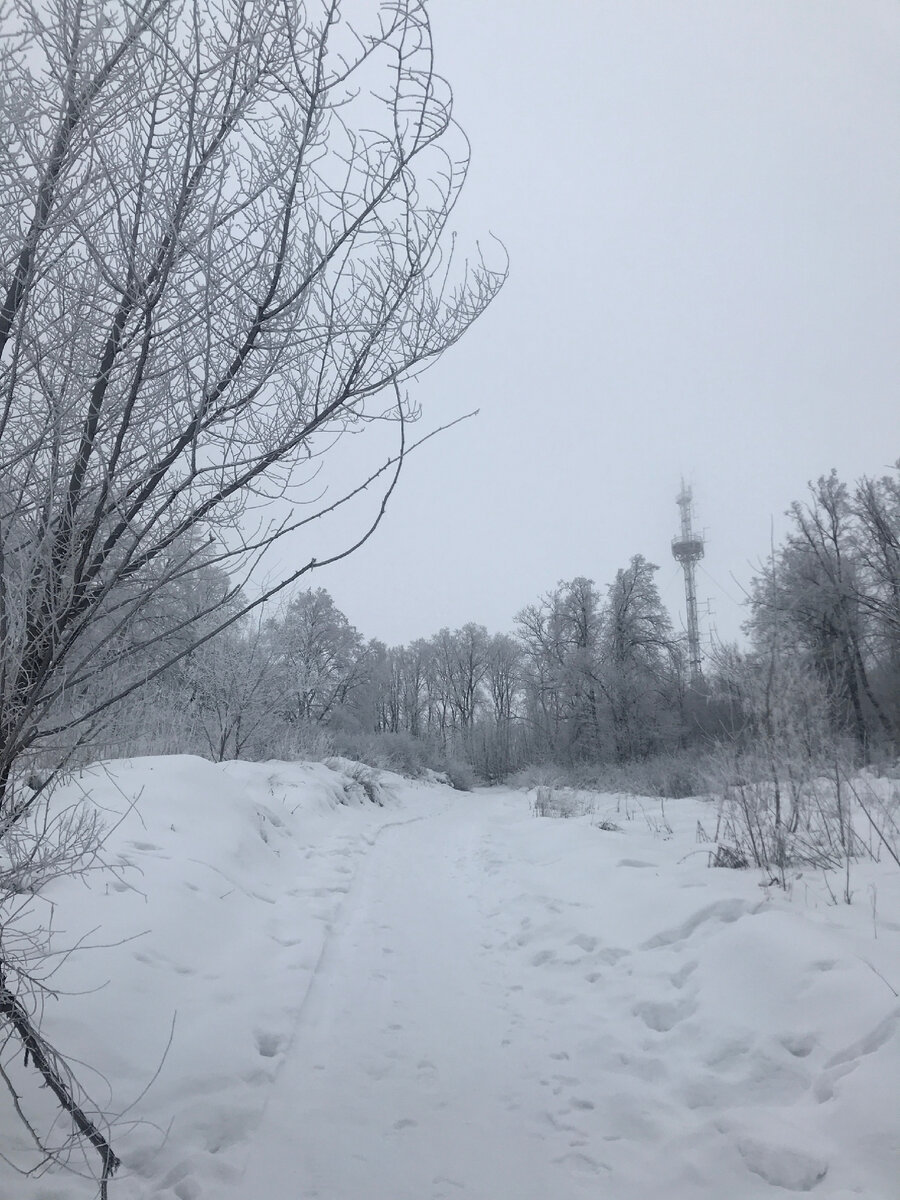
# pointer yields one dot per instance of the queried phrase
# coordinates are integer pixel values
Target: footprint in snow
(682, 975)
(267, 1044)
(723, 911)
(578, 1161)
(441, 1179)
(782, 1166)
(585, 942)
(662, 1017)
(845, 1060)
(800, 1044)
(427, 1070)
(869, 1043)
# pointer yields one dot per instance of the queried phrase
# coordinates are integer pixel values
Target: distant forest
(592, 679)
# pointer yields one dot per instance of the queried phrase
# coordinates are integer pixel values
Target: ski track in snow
(461, 1001)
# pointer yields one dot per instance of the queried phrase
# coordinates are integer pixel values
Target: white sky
(701, 204)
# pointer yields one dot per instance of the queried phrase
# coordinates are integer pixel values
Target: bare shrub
(538, 775)
(363, 781)
(459, 774)
(398, 752)
(832, 817)
(776, 806)
(561, 802)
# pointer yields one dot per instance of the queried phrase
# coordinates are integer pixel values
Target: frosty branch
(222, 242)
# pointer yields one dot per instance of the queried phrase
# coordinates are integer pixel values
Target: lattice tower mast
(687, 548)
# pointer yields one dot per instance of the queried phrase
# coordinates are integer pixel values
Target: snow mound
(200, 943)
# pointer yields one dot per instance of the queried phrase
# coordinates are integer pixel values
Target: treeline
(584, 676)
(588, 676)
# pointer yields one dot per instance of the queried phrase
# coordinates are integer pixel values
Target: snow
(444, 996)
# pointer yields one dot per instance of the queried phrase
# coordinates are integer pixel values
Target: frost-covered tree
(639, 672)
(876, 509)
(819, 595)
(231, 684)
(319, 658)
(498, 741)
(560, 637)
(457, 668)
(221, 246)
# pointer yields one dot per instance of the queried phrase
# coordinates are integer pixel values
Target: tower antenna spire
(687, 548)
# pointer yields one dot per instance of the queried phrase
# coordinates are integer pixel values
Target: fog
(699, 202)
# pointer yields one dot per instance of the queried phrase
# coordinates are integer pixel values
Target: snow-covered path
(515, 1008)
(413, 1074)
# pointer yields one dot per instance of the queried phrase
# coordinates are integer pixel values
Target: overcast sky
(701, 204)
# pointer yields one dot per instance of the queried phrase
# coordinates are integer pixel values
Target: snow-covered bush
(399, 752)
(459, 774)
(561, 802)
(360, 780)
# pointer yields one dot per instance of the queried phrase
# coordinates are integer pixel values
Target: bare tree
(504, 669)
(221, 243)
(819, 592)
(460, 664)
(415, 659)
(560, 637)
(876, 508)
(232, 681)
(639, 674)
(318, 655)
(220, 246)
(542, 634)
(503, 675)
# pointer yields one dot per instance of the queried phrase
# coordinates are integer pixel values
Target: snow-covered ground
(447, 997)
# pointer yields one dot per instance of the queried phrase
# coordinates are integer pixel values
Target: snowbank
(197, 949)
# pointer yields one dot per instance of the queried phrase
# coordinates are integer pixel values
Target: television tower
(687, 547)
